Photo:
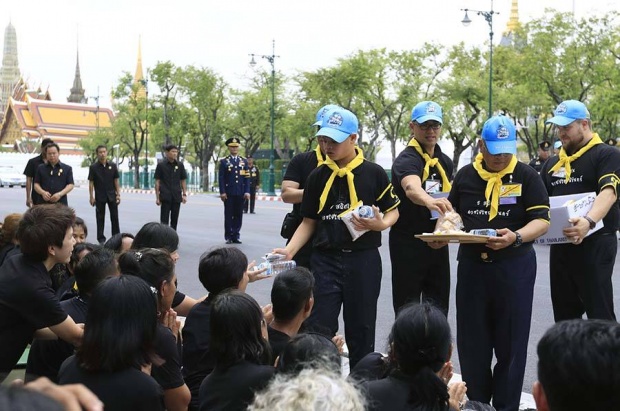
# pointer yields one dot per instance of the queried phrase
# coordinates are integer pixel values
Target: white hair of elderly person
(311, 389)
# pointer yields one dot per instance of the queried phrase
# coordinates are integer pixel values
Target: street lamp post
(145, 84)
(271, 191)
(488, 16)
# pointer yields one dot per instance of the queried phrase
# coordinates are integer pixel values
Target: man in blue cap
(346, 272)
(495, 286)
(581, 270)
(293, 185)
(234, 181)
(421, 177)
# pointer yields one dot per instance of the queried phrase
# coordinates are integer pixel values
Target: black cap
(611, 141)
(545, 145)
(233, 142)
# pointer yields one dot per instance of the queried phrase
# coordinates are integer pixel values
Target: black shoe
(236, 241)
(229, 241)
(245, 212)
(252, 212)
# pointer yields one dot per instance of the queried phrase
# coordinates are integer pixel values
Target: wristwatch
(592, 222)
(518, 240)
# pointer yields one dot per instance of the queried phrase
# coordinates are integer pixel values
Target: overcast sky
(220, 34)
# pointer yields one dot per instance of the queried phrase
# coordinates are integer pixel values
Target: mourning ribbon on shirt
(565, 159)
(494, 182)
(341, 172)
(431, 162)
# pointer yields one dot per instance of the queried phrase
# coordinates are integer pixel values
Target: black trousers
(100, 216)
(233, 217)
(251, 202)
(351, 280)
(581, 278)
(418, 272)
(170, 212)
(493, 315)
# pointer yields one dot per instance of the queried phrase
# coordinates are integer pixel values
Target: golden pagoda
(512, 25)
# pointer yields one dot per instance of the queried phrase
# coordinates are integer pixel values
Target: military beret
(611, 141)
(545, 145)
(233, 142)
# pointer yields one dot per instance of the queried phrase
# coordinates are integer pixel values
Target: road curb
(191, 193)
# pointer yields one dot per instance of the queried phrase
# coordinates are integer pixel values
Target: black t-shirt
(537, 164)
(7, 251)
(46, 356)
(390, 393)
(54, 179)
(413, 218)
(277, 341)
(103, 176)
(27, 303)
(372, 187)
(177, 299)
(298, 170)
(234, 388)
(597, 168)
(126, 390)
(198, 360)
(170, 175)
(374, 366)
(31, 171)
(468, 199)
(168, 375)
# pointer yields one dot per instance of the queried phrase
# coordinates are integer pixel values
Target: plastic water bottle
(280, 266)
(366, 212)
(275, 264)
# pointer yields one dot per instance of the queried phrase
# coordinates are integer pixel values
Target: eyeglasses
(429, 126)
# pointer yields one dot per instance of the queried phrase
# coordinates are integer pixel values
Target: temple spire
(139, 76)
(512, 25)
(77, 91)
(9, 73)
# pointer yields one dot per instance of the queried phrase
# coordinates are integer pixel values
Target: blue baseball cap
(322, 111)
(338, 124)
(427, 110)
(557, 145)
(499, 135)
(569, 111)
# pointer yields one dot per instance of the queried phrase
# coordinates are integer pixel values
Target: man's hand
(246, 196)
(118, 199)
(255, 275)
(157, 201)
(373, 224)
(223, 197)
(72, 397)
(506, 239)
(46, 196)
(457, 392)
(577, 232)
(338, 340)
(441, 205)
(54, 198)
(29, 203)
(184, 198)
(284, 252)
(436, 245)
(268, 313)
(92, 201)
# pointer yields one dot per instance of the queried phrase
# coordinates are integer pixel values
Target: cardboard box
(563, 208)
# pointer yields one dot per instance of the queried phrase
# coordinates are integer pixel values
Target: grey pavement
(201, 228)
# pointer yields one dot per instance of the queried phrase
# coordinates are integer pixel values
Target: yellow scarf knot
(431, 162)
(494, 182)
(320, 157)
(565, 159)
(341, 172)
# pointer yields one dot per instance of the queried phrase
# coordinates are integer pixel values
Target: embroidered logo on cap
(561, 109)
(502, 132)
(430, 108)
(335, 120)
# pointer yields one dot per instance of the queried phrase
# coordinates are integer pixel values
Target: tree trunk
(136, 172)
(205, 171)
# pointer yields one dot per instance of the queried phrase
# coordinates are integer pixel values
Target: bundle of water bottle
(275, 264)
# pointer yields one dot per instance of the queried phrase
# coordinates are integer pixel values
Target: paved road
(201, 228)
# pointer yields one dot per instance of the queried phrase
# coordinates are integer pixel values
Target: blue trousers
(233, 216)
(493, 314)
(351, 280)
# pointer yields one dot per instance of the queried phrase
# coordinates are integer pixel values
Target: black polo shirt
(372, 187)
(103, 176)
(413, 218)
(54, 178)
(168, 375)
(277, 341)
(298, 171)
(597, 168)
(468, 199)
(31, 171)
(46, 356)
(170, 175)
(27, 303)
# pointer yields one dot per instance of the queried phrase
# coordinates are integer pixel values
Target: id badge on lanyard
(508, 193)
(432, 186)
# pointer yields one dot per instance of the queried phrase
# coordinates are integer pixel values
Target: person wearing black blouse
(495, 280)
(155, 266)
(118, 350)
(241, 352)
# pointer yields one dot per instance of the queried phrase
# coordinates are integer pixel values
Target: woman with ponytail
(156, 267)
(420, 347)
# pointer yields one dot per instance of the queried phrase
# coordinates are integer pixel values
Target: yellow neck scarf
(565, 159)
(341, 172)
(319, 156)
(431, 162)
(494, 182)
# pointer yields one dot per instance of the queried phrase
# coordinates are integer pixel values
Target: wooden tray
(464, 238)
